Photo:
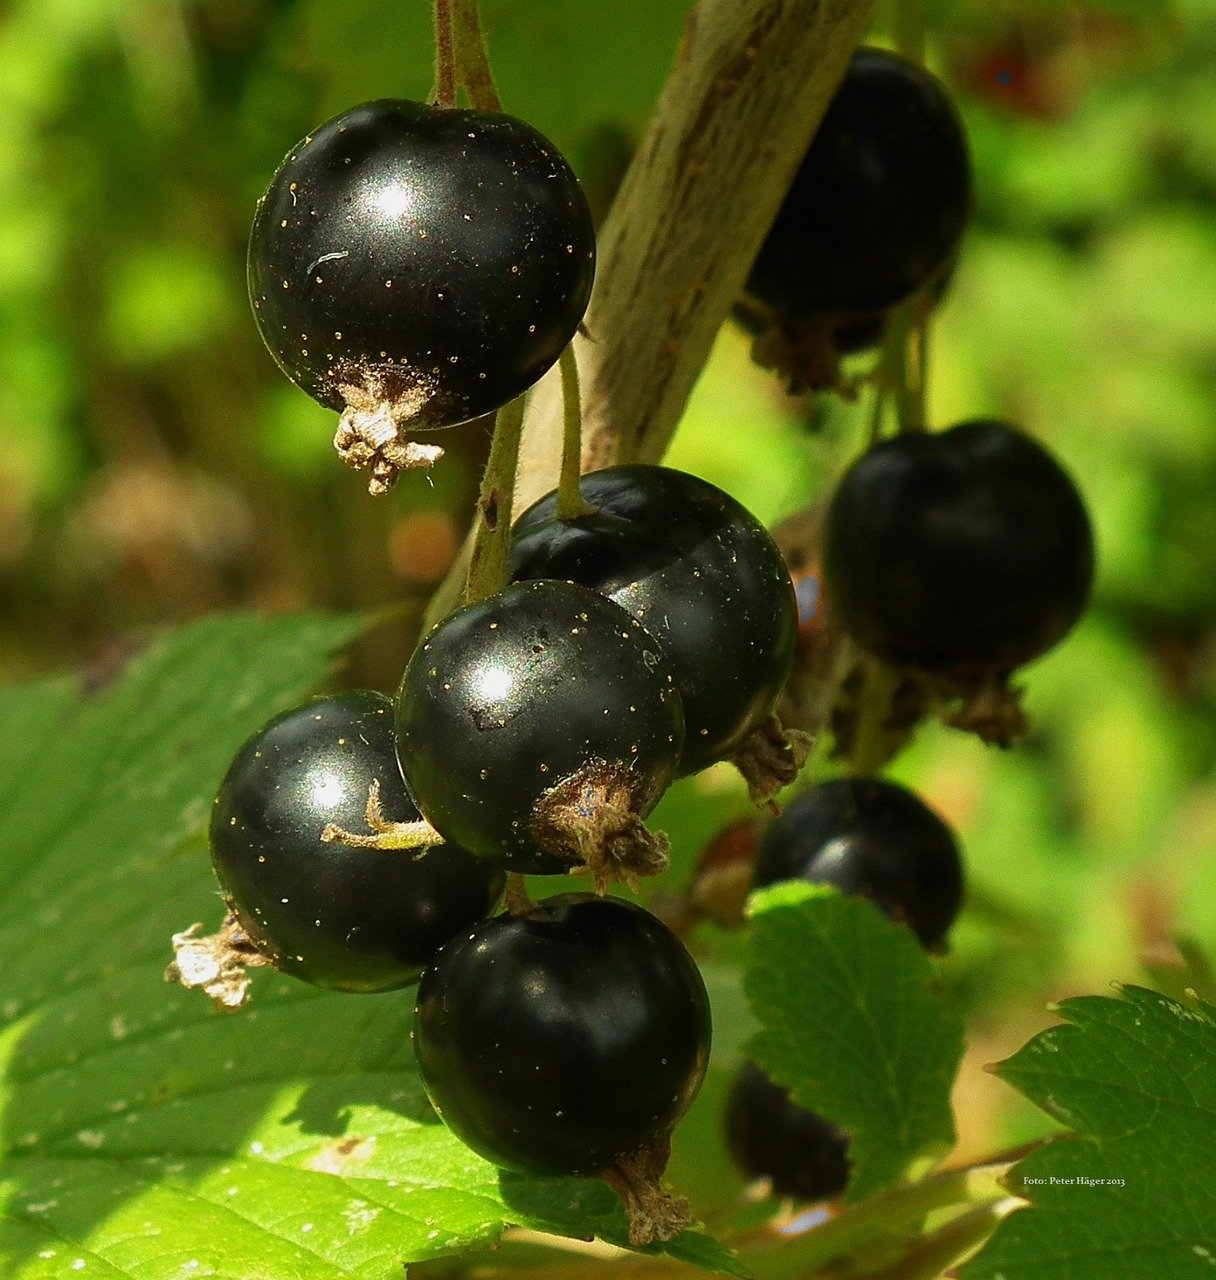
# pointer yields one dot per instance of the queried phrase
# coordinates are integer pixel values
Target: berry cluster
(532, 732)
(952, 558)
(412, 267)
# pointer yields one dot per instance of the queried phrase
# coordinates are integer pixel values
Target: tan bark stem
(751, 81)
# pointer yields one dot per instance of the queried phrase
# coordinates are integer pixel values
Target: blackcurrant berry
(351, 919)
(961, 550)
(879, 203)
(699, 572)
(566, 1039)
(416, 267)
(538, 727)
(875, 840)
(770, 1136)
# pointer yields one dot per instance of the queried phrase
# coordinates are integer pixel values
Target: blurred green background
(155, 466)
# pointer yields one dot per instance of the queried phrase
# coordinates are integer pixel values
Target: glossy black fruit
(435, 260)
(879, 203)
(965, 549)
(700, 573)
(341, 917)
(875, 840)
(565, 1039)
(771, 1136)
(528, 721)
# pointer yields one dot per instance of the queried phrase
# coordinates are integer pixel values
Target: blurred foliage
(154, 466)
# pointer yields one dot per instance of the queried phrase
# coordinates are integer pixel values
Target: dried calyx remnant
(216, 963)
(372, 430)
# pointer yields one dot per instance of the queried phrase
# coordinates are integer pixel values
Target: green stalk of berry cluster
(908, 28)
(461, 62)
(443, 91)
(901, 377)
(492, 530)
(472, 61)
(570, 502)
(865, 1225)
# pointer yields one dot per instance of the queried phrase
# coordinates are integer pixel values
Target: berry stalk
(570, 502)
(472, 61)
(492, 531)
(443, 92)
(908, 28)
(858, 1228)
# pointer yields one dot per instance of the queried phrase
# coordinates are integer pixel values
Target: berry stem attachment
(492, 532)
(570, 502)
(472, 60)
(908, 28)
(899, 374)
(870, 747)
(443, 92)
(518, 899)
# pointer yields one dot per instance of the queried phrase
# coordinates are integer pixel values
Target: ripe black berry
(770, 1136)
(960, 550)
(417, 267)
(700, 573)
(351, 919)
(872, 839)
(538, 727)
(879, 203)
(566, 1039)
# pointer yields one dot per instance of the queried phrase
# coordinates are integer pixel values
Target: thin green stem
(899, 371)
(920, 335)
(570, 502)
(879, 1217)
(929, 1256)
(518, 900)
(908, 28)
(492, 531)
(877, 407)
(870, 751)
(472, 60)
(443, 91)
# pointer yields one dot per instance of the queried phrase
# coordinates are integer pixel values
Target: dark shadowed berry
(565, 1039)
(417, 267)
(770, 1136)
(960, 550)
(875, 840)
(878, 205)
(353, 919)
(539, 726)
(700, 573)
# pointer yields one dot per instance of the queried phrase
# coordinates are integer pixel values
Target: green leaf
(1134, 1193)
(141, 1133)
(851, 1025)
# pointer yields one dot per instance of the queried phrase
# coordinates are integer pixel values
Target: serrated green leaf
(1133, 1195)
(851, 1025)
(145, 1136)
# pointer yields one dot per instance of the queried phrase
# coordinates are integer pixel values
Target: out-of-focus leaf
(850, 1024)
